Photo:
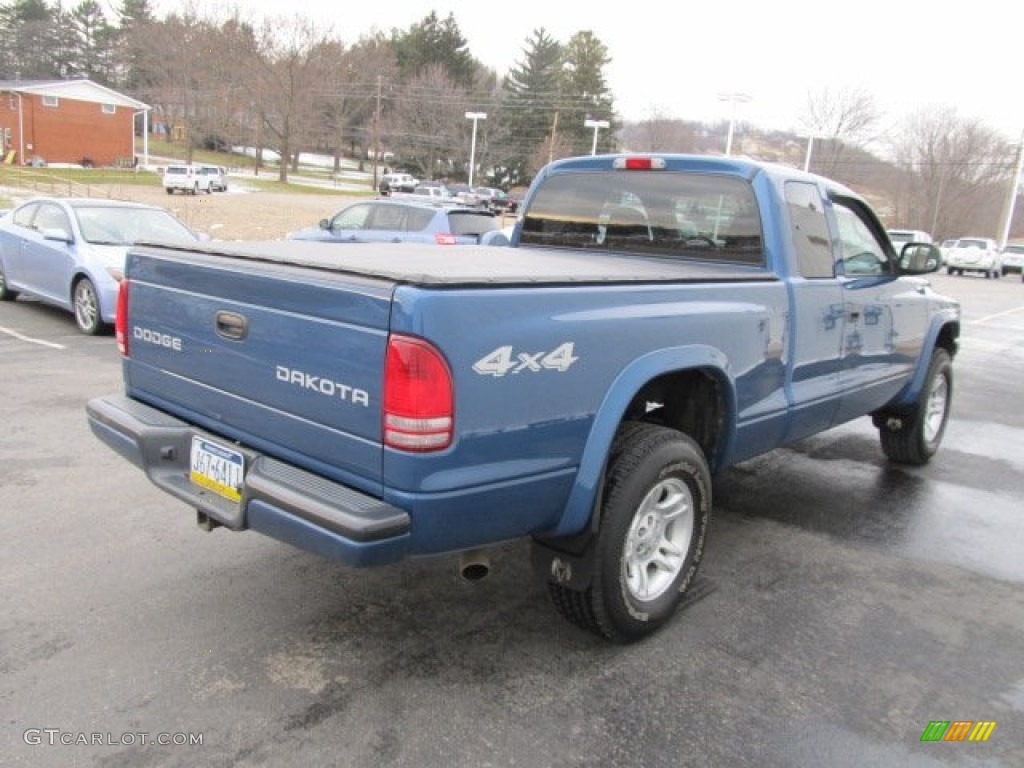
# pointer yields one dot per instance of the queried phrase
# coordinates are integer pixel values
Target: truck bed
(469, 266)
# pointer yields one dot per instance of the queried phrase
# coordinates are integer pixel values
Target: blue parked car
(70, 252)
(406, 221)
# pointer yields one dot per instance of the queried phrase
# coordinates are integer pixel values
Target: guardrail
(53, 184)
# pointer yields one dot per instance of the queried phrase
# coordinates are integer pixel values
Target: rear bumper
(277, 499)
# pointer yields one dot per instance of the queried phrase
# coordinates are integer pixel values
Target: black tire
(655, 512)
(950, 270)
(6, 294)
(86, 306)
(914, 437)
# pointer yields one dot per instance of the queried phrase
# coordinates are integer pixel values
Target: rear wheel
(913, 438)
(6, 294)
(87, 308)
(654, 519)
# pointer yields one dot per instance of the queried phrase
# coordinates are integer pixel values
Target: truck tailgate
(286, 360)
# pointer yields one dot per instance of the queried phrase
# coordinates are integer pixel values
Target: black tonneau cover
(472, 265)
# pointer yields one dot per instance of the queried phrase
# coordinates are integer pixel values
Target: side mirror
(920, 259)
(325, 224)
(55, 233)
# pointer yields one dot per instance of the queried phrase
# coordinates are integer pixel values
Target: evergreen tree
(533, 89)
(585, 93)
(30, 40)
(135, 70)
(431, 42)
(91, 41)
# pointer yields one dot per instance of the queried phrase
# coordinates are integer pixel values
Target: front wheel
(913, 438)
(654, 519)
(87, 308)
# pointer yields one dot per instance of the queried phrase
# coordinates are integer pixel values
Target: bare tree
(659, 133)
(836, 118)
(292, 60)
(422, 127)
(956, 171)
(179, 74)
(347, 99)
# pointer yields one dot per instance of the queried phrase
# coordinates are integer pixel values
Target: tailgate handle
(232, 325)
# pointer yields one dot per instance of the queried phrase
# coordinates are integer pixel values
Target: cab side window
(809, 229)
(862, 249)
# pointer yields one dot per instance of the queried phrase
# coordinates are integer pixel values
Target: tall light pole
(807, 157)
(733, 98)
(474, 116)
(1011, 201)
(597, 125)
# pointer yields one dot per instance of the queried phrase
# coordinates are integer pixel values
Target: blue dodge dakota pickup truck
(656, 319)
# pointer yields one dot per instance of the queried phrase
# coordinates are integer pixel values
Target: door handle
(232, 325)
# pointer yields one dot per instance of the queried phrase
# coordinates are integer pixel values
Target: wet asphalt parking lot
(843, 605)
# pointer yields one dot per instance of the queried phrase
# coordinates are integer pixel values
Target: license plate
(218, 468)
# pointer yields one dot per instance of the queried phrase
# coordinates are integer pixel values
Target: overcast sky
(676, 58)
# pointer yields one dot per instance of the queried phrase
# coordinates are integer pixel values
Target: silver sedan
(70, 252)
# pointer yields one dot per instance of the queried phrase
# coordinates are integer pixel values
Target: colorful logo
(958, 730)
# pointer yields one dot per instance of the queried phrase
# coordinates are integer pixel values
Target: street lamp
(807, 157)
(1011, 201)
(597, 125)
(474, 116)
(733, 98)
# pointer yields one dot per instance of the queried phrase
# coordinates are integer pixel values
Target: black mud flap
(566, 562)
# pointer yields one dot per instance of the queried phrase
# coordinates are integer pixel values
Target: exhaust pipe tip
(474, 565)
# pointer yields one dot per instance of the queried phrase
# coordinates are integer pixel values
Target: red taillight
(418, 406)
(444, 238)
(121, 317)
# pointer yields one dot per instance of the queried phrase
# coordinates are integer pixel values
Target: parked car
(974, 254)
(901, 237)
(406, 220)
(186, 178)
(435, 191)
(71, 252)
(218, 176)
(946, 247)
(397, 182)
(497, 200)
(1013, 259)
(467, 195)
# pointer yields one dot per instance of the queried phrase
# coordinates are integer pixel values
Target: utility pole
(551, 144)
(376, 134)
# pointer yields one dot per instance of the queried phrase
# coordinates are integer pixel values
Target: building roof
(75, 90)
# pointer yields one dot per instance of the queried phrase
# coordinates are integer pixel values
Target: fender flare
(907, 397)
(631, 379)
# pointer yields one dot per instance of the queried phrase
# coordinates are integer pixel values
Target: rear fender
(624, 388)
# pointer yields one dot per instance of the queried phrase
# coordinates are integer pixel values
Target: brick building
(67, 121)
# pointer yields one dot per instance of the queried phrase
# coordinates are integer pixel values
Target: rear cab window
(653, 213)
